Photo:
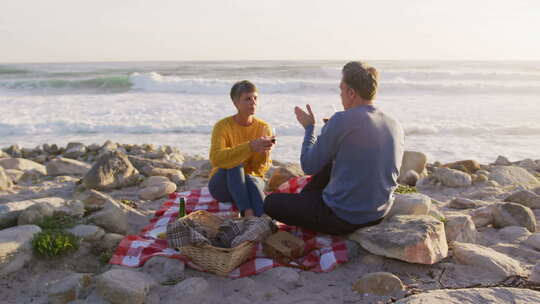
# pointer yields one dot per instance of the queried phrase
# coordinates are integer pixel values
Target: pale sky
(135, 30)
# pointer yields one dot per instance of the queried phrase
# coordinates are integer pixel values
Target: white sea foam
(474, 110)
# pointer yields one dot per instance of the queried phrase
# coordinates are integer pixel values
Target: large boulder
(124, 286)
(112, 170)
(412, 238)
(486, 258)
(525, 198)
(5, 181)
(412, 161)
(13, 175)
(410, 204)
(451, 177)
(460, 228)
(66, 166)
(22, 164)
(512, 214)
(283, 174)
(495, 295)
(512, 175)
(15, 247)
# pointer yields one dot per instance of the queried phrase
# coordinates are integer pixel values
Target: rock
(88, 233)
(529, 164)
(4, 154)
(502, 161)
(14, 151)
(15, 247)
(112, 170)
(412, 161)
(65, 166)
(14, 175)
(526, 198)
(5, 181)
(465, 203)
(411, 238)
(283, 174)
(534, 241)
(379, 283)
(470, 166)
(154, 181)
(174, 175)
(111, 240)
(9, 212)
(191, 286)
(154, 192)
(410, 178)
(120, 286)
(486, 258)
(94, 200)
(33, 214)
(284, 277)
(52, 149)
(480, 179)
(451, 177)
(512, 175)
(460, 228)
(535, 276)
(74, 150)
(188, 170)
(483, 216)
(140, 163)
(495, 295)
(22, 164)
(514, 234)
(112, 218)
(512, 214)
(31, 177)
(68, 289)
(164, 268)
(410, 204)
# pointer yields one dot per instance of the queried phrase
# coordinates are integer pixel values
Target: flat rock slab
(486, 258)
(15, 248)
(410, 204)
(496, 295)
(411, 238)
(66, 166)
(120, 286)
(9, 212)
(22, 164)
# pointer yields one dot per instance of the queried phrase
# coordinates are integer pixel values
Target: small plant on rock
(129, 203)
(404, 189)
(54, 243)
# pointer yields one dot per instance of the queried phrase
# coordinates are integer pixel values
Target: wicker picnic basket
(218, 260)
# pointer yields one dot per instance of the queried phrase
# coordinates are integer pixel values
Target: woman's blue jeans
(245, 190)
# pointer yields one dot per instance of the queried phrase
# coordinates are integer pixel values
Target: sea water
(450, 110)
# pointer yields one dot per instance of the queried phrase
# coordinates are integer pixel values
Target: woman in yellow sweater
(240, 153)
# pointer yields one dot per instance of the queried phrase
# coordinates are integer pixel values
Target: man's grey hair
(362, 78)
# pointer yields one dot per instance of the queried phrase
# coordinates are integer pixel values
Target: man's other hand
(305, 119)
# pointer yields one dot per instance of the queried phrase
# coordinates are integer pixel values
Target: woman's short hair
(362, 78)
(243, 86)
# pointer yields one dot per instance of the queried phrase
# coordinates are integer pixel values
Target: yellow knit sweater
(230, 146)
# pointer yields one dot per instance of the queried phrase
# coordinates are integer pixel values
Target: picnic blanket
(324, 252)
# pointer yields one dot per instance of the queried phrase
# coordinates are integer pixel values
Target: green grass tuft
(404, 189)
(54, 243)
(58, 221)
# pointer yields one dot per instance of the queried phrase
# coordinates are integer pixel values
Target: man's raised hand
(305, 119)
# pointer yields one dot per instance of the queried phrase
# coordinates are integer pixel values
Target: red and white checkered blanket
(325, 252)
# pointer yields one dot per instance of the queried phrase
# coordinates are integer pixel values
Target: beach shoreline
(463, 197)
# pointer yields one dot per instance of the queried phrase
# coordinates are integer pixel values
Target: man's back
(366, 149)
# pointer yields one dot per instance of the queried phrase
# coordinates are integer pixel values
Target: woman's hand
(262, 144)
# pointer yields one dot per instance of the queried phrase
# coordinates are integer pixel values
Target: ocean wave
(109, 84)
(12, 71)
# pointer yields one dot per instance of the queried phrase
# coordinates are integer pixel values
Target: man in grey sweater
(354, 162)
